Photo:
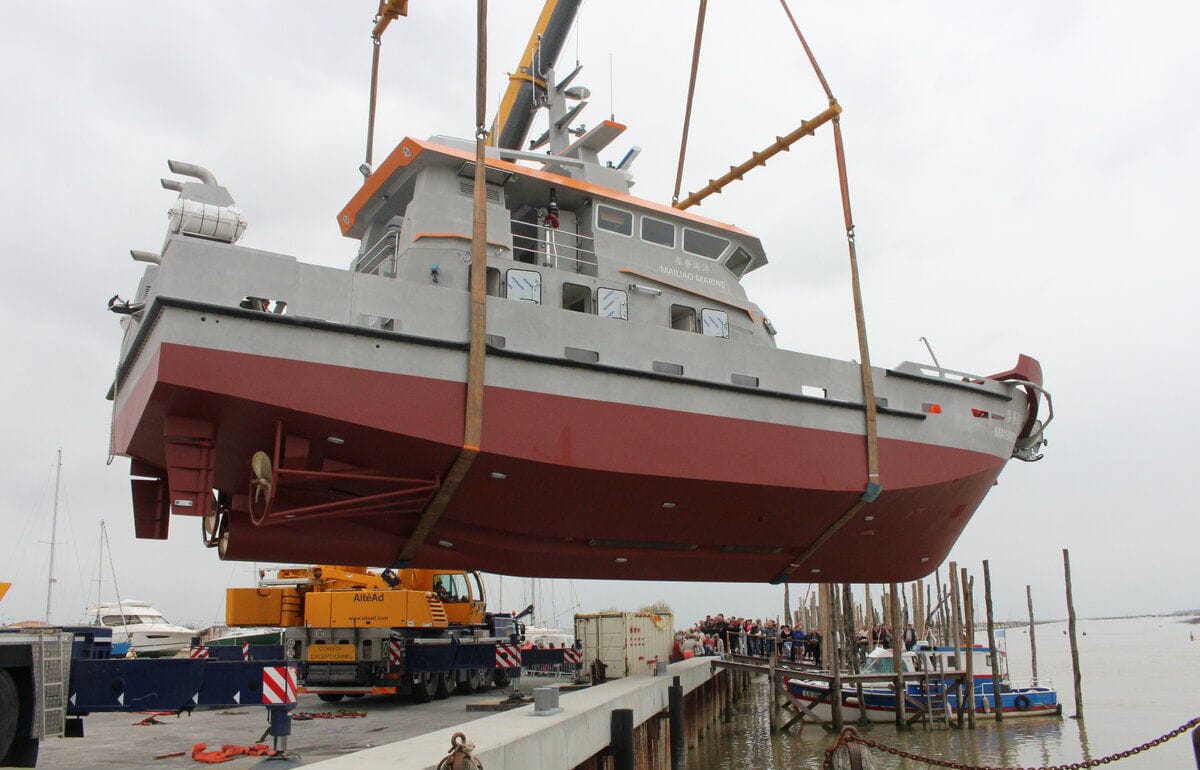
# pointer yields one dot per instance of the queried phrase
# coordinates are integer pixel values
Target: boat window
(714, 323)
(451, 587)
(683, 318)
(738, 262)
(614, 220)
(879, 665)
(703, 244)
(128, 620)
(658, 231)
(494, 284)
(613, 303)
(524, 285)
(577, 298)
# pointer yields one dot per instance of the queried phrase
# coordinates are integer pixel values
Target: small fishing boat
(139, 626)
(935, 692)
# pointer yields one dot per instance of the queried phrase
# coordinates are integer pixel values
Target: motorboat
(139, 627)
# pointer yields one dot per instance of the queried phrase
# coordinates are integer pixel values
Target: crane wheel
(9, 712)
(470, 683)
(500, 677)
(330, 697)
(424, 686)
(445, 685)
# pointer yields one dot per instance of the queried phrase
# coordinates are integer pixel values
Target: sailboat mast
(53, 535)
(100, 572)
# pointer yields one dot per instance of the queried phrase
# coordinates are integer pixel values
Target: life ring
(1021, 702)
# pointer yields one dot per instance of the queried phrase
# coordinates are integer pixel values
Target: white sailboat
(136, 625)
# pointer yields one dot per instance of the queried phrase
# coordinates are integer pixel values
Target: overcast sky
(1022, 176)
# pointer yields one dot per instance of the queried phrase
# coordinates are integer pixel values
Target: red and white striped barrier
(508, 656)
(395, 653)
(279, 685)
(197, 652)
(245, 650)
(572, 656)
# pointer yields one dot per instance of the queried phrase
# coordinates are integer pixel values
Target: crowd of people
(717, 635)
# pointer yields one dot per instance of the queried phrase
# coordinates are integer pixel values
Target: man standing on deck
(910, 637)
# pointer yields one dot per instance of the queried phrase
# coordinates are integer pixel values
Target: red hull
(584, 481)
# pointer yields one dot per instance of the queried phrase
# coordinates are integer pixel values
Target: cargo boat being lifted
(635, 417)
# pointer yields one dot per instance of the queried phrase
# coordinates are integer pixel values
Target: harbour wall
(581, 735)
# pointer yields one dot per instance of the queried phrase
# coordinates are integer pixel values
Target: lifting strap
(477, 353)
(874, 485)
(687, 113)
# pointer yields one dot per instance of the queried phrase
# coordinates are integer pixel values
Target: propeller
(215, 522)
(260, 463)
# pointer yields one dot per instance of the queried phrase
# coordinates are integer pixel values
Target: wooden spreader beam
(781, 143)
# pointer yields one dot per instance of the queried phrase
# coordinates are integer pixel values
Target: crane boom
(526, 87)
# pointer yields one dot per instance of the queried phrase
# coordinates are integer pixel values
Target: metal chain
(850, 735)
(460, 756)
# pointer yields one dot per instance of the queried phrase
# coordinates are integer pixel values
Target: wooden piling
(676, 721)
(1074, 642)
(621, 732)
(926, 615)
(829, 646)
(1032, 640)
(848, 628)
(787, 603)
(967, 586)
(916, 607)
(943, 625)
(897, 657)
(995, 655)
(870, 612)
(955, 615)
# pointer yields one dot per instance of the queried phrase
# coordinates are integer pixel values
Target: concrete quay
(576, 737)
(112, 742)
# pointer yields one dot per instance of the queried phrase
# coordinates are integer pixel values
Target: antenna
(612, 113)
(931, 355)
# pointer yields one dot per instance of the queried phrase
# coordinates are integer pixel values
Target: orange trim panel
(398, 159)
(404, 154)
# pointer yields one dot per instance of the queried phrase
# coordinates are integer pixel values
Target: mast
(53, 535)
(100, 572)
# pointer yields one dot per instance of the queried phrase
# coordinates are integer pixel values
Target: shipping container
(628, 643)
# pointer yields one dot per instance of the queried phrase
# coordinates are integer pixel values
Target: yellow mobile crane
(355, 631)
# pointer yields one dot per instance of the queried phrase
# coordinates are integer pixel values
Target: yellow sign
(327, 653)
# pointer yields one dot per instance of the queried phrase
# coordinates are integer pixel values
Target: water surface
(1141, 678)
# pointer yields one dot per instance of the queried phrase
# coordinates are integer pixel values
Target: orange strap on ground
(228, 752)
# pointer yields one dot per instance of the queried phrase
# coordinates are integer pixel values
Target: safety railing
(383, 250)
(553, 247)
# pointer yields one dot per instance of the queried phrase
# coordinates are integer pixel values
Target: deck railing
(552, 247)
